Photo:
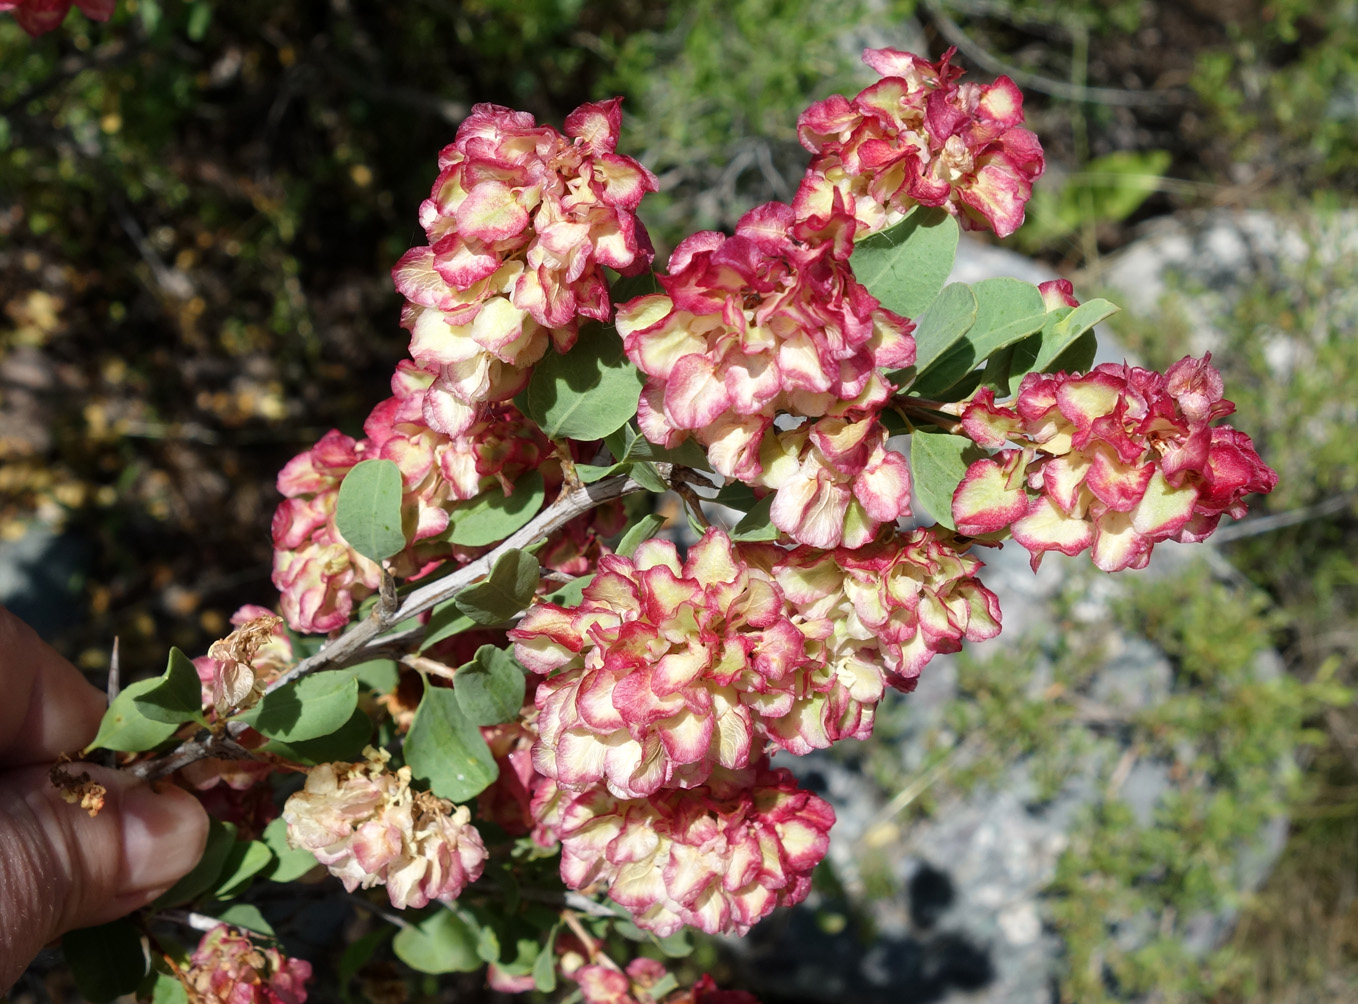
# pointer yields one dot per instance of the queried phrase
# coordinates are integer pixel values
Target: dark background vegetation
(200, 204)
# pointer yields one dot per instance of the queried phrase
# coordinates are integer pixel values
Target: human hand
(59, 867)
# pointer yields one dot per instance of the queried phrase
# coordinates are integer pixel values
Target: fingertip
(163, 834)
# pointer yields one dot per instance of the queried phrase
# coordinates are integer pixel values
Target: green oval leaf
(571, 593)
(446, 620)
(246, 860)
(247, 915)
(441, 943)
(368, 510)
(945, 320)
(490, 688)
(125, 728)
(445, 748)
(290, 863)
(586, 393)
(492, 516)
(643, 529)
(906, 265)
(1045, 352)
(221, 841)
(177, 696)
(1006, 311)
(106, 961)
(308, 708)
(938, 461)
(757, 525)
(345, 743)
(502, 594)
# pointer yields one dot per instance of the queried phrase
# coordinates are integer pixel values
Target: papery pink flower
(520, 223)
(835, 480)
(229, 968)
(718, 857)
(319, 576)
(507, 801)
(368, 827)
(668, 670)
(917, 137)
(1057, 293)
(236, 668)
(1115, 460)
(37, 17)
(769, 321)
(885, 610)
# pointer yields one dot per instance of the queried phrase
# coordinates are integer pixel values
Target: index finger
(47, 707)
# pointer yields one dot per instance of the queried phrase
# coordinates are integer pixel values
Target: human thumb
(61, 868)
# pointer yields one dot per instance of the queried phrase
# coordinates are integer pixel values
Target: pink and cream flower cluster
(520, 223)
(319, 576)
(771, 322)
(368, 827)
(667, 684)
(229, 968)
(718, 857)
(919, 138)
(1115, 460)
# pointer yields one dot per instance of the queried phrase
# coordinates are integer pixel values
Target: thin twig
(1267, 524)
(189, 752)
(987, 60)
(361, 640)
(114, 673)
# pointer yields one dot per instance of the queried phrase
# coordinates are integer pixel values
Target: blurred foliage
(1283, 338)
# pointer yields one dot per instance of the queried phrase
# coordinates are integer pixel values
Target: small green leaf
(1078, 356)
(125, 728)
(446, 749)
(1043, 352)
(177, 696)
(502, 594)
(738, 495)
(221, 840)
(441, 943)
(247, 915)
(945, 321)
(907, 264)
(643, 529)
(289, 863)
(571, 593)
(106, 961)
(445, 621)
(246, 860)
(309, 708)
(590, 473)
(493, 515)
(490, 688)
(345, 743)
(676, 945)
(167, 989)
(368, 510)
(757, 525)
(585, 393)
(689, 453)
(645, 474)
(200, 16)
(379, 675)
(1007, 310)
(938, 461)
(544, 966)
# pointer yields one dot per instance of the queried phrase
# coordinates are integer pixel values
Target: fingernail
(163, 837)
